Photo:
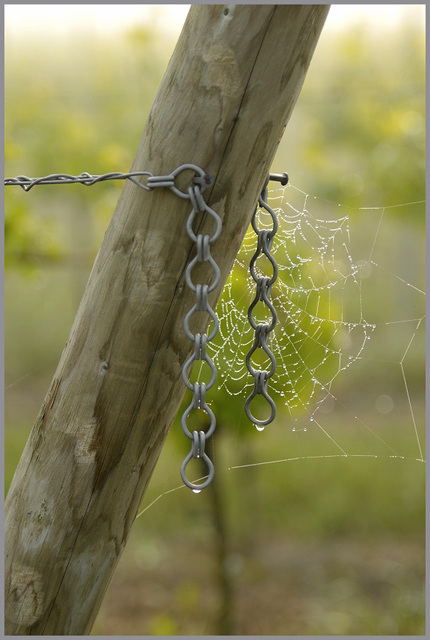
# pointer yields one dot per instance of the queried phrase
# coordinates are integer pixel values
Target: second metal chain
(264, 286)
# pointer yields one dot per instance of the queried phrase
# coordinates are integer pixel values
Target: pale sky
(61, 19)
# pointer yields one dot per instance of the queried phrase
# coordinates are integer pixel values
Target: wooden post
(226, 96)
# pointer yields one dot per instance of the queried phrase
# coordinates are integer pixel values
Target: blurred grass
(328, 496)
(327, 546)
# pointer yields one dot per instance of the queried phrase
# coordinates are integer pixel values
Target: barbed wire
(84, 178)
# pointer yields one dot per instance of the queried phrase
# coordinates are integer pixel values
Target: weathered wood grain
(225, 99)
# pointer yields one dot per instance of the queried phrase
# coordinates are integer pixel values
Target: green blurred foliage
(83, 109)
(359, 124)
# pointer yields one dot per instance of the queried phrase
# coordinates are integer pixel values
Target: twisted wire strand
(84, 178)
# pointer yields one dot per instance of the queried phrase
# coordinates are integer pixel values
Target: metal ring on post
(169, 179)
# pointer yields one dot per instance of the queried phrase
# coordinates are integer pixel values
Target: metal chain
(203, 254)
(200, 340)
(263, 289)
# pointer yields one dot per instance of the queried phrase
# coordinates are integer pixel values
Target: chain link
(263, 289)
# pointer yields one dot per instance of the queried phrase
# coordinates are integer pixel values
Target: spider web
(340, 343)
(317, 335)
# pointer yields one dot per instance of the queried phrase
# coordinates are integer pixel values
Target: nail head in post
(279, 177)
(205, 181)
